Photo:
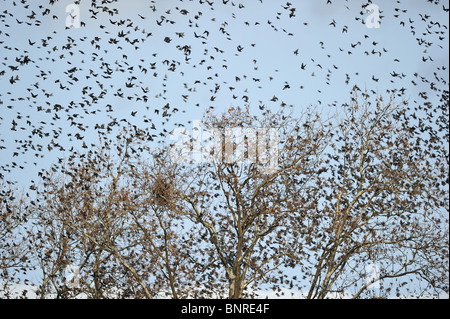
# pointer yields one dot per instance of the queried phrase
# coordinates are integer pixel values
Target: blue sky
(265, 65)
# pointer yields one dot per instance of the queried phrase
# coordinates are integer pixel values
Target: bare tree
(14, 250)
(343, 204)
(100, 215)
(164, 233)
(382, 202)
(245, 213)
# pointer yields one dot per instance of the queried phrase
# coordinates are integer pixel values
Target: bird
(75, 88)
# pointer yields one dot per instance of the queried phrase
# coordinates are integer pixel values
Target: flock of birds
(59, 88)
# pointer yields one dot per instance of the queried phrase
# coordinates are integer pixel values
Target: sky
(240, 53)
(216, 75)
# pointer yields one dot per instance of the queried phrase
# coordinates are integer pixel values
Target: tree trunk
(236, 286)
